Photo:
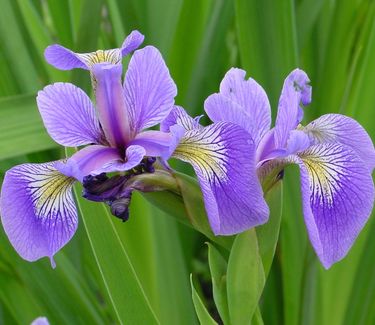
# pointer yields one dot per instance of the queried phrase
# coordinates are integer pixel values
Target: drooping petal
(242, 102)
(132, 42)
(296, 91)
(110, 100)
(338, 196)
(62, 58)
(179, 116)
(223, 157)
(331, 128)
(157, 143)
(38, 212)
(68, 115)
(94, 160)
(149, 88)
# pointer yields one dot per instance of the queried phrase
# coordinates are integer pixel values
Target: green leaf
(124, 288)
(268, 234)
(201, 310)
(21, 126)
(218, 269)
(245, 278)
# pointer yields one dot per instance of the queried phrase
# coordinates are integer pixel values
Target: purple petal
(89, 161)
(149, 89)
(113, 114)
(157, 143)
(132, 42)
(38, 212)
(94, 160)
(242, 102)
(296, 90)
(222, 155)
(63, 58)
(298, 141)
(179, 116)
(338, 196)
(338, 128)
(68, 115)
(40, 321)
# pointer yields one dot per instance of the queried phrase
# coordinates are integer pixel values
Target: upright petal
(68, 115)
(338, 196)
(149, 88)
(242, 102)
(94, 160)
(110, 100)
(331, 128)
(132, 42)
(296, 91)
(38, 212)
(179, 116)
(62, 58)
(222, 156)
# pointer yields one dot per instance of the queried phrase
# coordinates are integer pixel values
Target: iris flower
(38, 211)
(335, 155)
(37, 207)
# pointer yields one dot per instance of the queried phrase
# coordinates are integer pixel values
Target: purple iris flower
(335, 155)
(38, 211)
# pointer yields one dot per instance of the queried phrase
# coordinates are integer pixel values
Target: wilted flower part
(37, 208)
(335, 154)
(223, 157)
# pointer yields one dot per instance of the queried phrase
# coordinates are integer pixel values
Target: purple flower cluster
(231, 157)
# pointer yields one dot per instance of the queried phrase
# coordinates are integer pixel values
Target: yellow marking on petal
(110, 56)
(48, 190)
(204, 149)
(325, 172)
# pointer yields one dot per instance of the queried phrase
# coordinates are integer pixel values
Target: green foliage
(138, 272)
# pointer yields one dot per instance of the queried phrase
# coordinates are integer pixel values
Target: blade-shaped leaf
(245, 278)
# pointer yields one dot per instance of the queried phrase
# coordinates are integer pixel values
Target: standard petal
(110, 100)
(62, 58)
(38, 212)
(339, 128)
(132, 42)
(242, 102)
(94, 160)
(149, 88)
(157, 143)
(296, 91)
(179, 116)
(222, 155)
(68, 115)
(338, 195)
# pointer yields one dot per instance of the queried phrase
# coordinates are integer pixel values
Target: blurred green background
(333, 41)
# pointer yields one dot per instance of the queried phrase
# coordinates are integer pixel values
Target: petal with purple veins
(179, 116)
(338, 196)
(132, 42)
(222, 156)
(296, 91)
(38, 212)
(331, 128)
(68, 115)
(110, 101)
(242, 102)
(94, 160)
(157, 143)
(62, 58)
(149, 88)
